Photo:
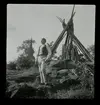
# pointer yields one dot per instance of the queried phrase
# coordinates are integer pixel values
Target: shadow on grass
(30, 78)
(65, 85)
(26, 91)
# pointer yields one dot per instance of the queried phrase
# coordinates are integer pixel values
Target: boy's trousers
(42, 65)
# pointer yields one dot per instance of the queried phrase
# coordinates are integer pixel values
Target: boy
(43, 55)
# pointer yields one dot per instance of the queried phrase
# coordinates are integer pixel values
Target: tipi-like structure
(72, 46)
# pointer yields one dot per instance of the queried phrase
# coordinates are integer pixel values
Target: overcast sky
(30, 20)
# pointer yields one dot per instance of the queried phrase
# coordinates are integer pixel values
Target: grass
(25, 84)
(15, 74)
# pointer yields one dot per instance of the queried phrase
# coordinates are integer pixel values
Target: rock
(63, 71)
(48, 69)
(65, 64)
(72, 76)
(63, 79)
(54, 74)
(25, 91)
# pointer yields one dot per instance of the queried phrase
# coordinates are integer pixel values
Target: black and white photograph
(50, 51)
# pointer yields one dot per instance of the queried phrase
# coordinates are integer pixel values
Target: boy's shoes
(48, 84)
(41, 83)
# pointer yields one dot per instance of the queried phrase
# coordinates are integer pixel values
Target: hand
(46, 61)
(36, 61)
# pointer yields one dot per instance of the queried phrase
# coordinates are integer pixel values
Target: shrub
(11, 65)
(24, 62)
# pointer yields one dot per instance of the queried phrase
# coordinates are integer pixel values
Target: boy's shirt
(40, 51)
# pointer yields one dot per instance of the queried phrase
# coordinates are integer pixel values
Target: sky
(39, 21)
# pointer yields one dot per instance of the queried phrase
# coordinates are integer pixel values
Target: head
(43, 41)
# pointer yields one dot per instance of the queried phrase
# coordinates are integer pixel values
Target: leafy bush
(91, 50)
(11, 65)
(24, 62)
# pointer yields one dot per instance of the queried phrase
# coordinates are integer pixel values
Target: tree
(11, 65)
(24, 62)
(26, 59)
(25, 45)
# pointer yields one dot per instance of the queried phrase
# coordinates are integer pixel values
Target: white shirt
(48, 48)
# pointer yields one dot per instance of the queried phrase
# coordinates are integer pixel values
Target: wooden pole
(60, 19)
(57, 42)
(61, 36)
(81, 48)
(73, 10)
(84, 49)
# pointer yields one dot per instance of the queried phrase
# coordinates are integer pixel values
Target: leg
(39, 64)
(42, 70)
(44, 81)
(40, 74)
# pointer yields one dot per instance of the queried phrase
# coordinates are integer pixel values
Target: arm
(49, 52)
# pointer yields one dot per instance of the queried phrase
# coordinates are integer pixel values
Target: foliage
(11, 65)
(26, 85)
(51, 43)
(91, 49)
(60, 94)
(25, 45)
(24, 62)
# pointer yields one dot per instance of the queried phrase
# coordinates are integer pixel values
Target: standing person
(43, 56)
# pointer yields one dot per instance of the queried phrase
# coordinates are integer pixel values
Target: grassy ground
(15, 74)
(25, 84)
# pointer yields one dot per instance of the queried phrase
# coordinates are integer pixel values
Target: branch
(73, 10)
(60, 19)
